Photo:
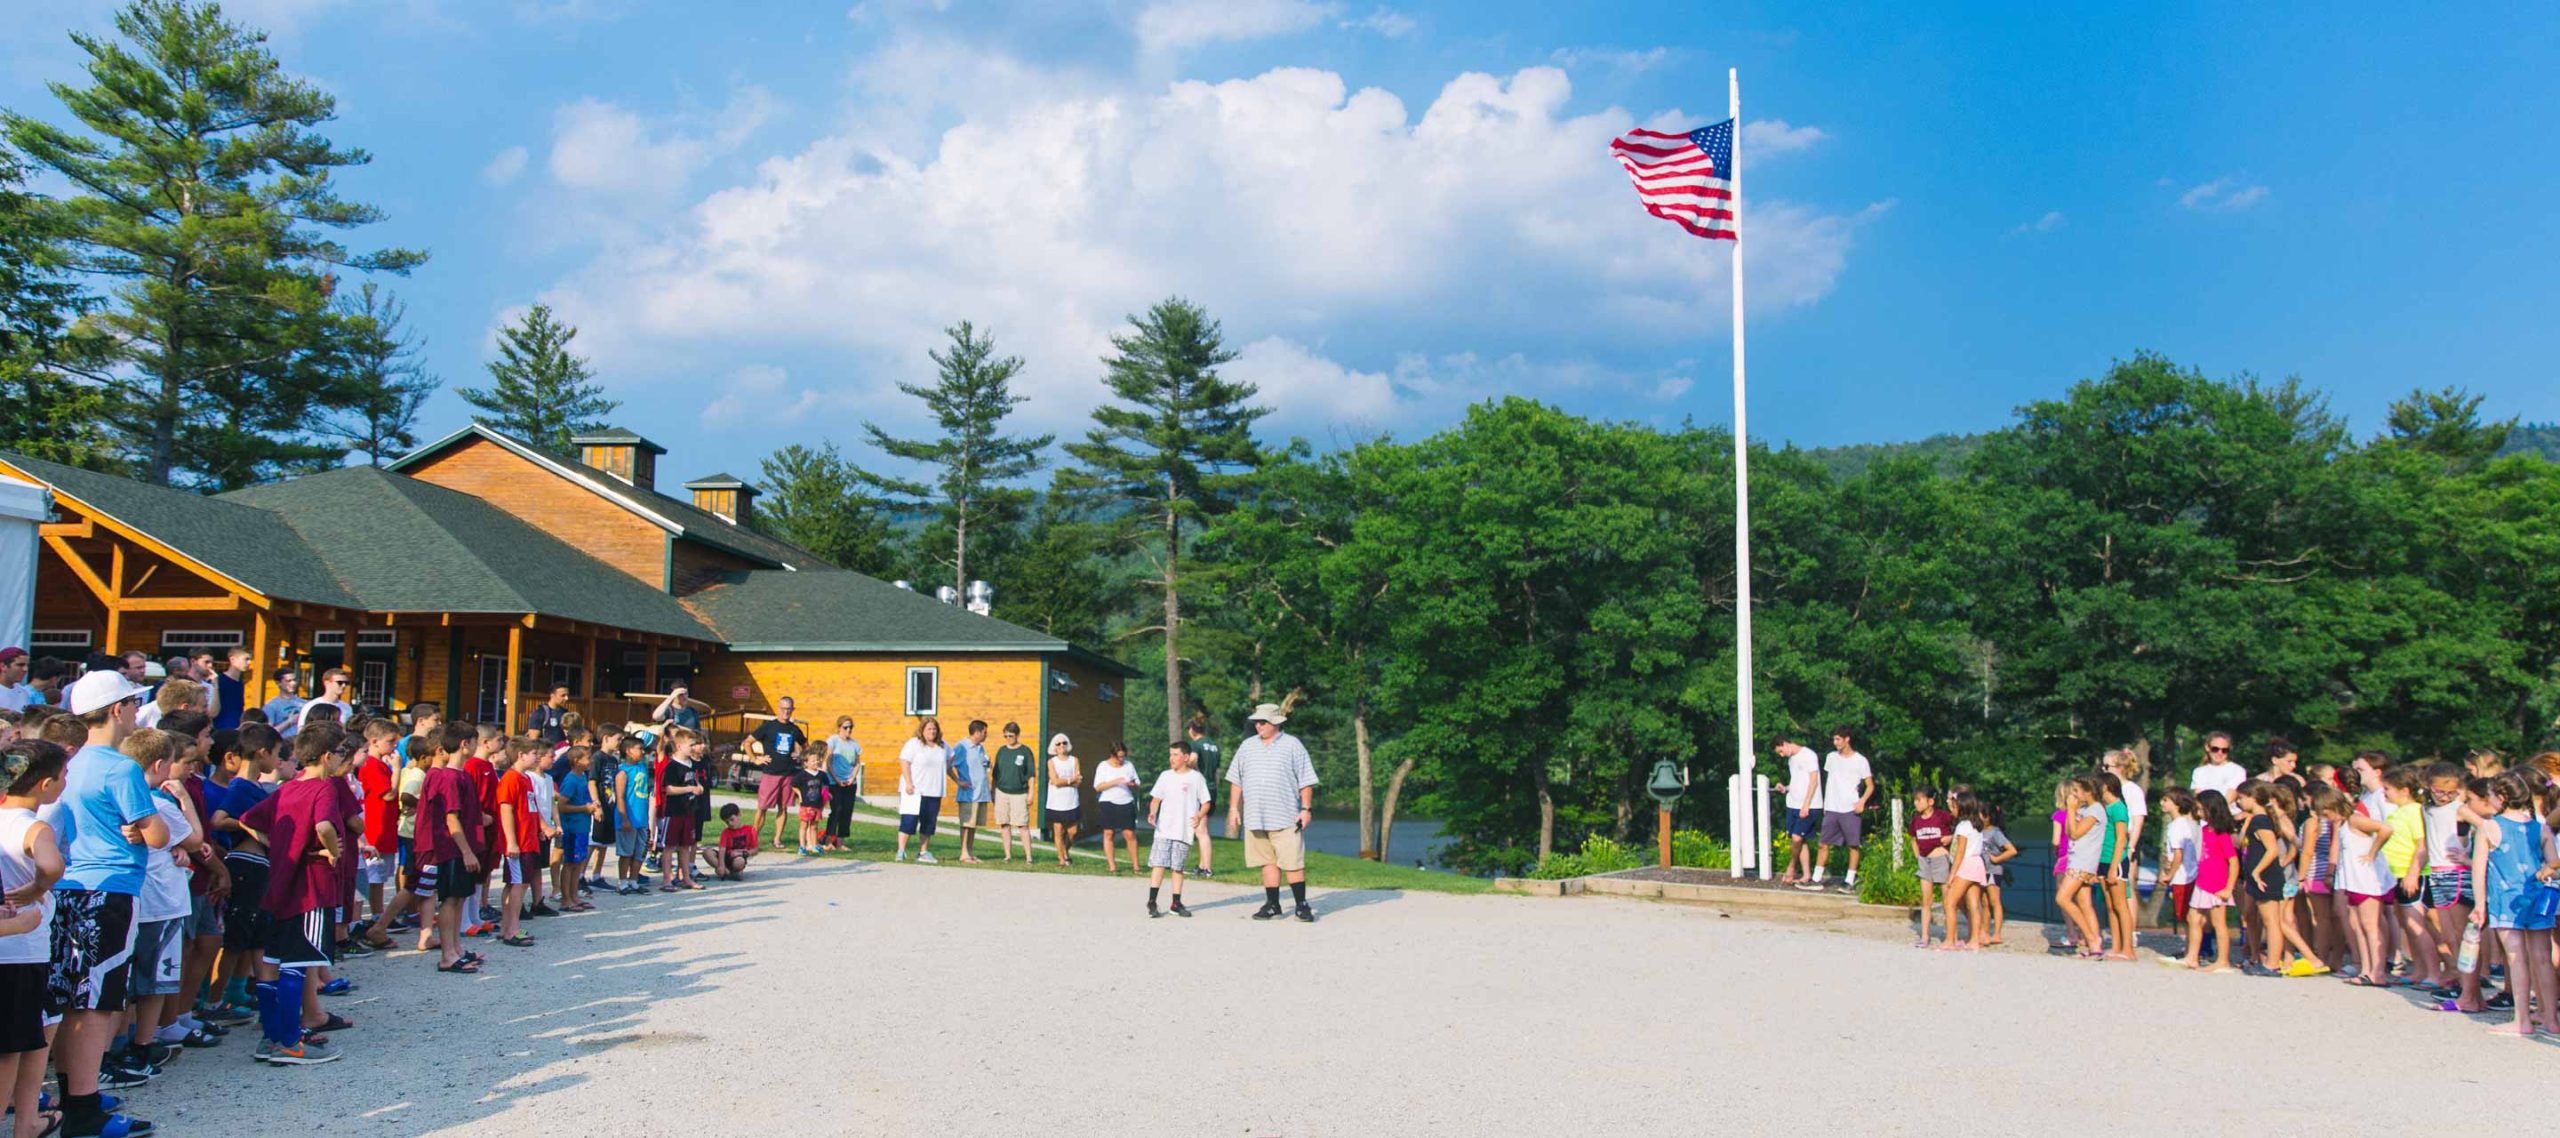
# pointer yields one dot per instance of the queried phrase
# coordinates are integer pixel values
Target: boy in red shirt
(381, 786)
(737, 844)
(301, 826)
(520, 828)
(445, 841)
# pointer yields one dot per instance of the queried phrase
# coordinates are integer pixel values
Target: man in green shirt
(1013, 764)
(1204, 752)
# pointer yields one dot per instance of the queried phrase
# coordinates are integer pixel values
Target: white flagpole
(1741, 488)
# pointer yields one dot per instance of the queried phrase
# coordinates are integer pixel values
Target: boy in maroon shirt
(302, 825)
(481, 769)
(446, 841)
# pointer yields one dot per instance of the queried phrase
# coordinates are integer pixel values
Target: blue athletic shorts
(577, 847)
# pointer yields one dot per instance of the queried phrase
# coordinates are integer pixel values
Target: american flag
(1686, 178)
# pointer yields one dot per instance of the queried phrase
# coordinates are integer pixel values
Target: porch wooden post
(115, 599)
(256, 684)
(515, 660)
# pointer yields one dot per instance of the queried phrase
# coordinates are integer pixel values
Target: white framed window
(59, 638)
(177, 638)
(373, 683)
(924, 691)
(1060, 681)
(384, 638)
(1106, 692)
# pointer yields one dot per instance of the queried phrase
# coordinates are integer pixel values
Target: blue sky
(762, 218)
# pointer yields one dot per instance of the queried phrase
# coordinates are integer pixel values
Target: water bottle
(2470, 954)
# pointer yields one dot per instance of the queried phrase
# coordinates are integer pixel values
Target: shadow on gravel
(452, 1051)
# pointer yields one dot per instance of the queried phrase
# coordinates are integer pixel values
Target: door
(491, 705)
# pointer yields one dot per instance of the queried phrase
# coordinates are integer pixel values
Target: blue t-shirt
(635, 794)
(102, 792)
(971, 759)
(245, 794)
(842, 756)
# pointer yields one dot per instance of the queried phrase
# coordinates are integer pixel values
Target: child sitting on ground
(738, 843)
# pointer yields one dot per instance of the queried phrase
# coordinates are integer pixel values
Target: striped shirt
(1269, 776)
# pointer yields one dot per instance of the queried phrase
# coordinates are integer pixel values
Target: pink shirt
(2213, 871)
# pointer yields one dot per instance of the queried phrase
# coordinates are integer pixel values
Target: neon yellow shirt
(2408, 827)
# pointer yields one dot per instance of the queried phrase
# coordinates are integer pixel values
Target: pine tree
(542, 392)
(1175, 447)
(51, 405)
(814, 499)
(972, 460)
(378, 361)
(205, 190)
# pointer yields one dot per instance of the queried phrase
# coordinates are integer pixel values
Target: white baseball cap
(101, 689)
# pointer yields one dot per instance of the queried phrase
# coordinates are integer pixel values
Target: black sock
(81, 1106)
(1271, 896)
(1151, 894)
(1298, 893)
(1177, 900)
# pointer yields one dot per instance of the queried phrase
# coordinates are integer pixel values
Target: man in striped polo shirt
(1273, 799)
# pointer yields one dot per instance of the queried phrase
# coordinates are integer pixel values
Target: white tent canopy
(23, 507)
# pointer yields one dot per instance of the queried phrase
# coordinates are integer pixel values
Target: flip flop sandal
(461, 967)
(335, 1022)
(519, 940)
(124, 1126)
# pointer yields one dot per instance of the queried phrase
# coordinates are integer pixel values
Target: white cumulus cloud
(504, 168)
(2222, 195)
(2052, 220)
(1299, 210)
(1774, 136)
(1177, 25)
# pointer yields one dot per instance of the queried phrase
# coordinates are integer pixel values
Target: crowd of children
(2435, 876)
(162, 887)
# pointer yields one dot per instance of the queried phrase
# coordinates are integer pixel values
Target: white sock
(1852, 878)
(170, 1034)
(1819, 872)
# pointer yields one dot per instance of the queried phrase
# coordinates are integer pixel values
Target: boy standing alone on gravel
(1178, 806)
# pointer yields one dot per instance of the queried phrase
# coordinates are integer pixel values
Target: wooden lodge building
(480, 570)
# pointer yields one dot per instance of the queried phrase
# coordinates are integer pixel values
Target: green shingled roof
(690, 523)
(248, 545)
(837, 610)
(402, 545)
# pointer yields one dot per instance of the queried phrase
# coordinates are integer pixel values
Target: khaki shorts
(968, 813)
(1284, 848)
(1013, 809)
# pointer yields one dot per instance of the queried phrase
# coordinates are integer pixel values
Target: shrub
(1697, 849)
(1598, 855)
(1880, 882)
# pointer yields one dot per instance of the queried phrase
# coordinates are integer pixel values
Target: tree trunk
(1387, 815)
(960, 553)
(1172, 619)
(1546, 812)
(1360, 742)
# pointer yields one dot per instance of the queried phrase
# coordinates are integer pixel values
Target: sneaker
(266, 1052)
(1306, 914)
(633, 889)
(303, 1054)
(1152, 911)
(1811, 886)
(354, 948)
(1204, 872)
(338, 987)
(405, 923)
(224, 1016)
(650, 865)
(1268, 910)
(1179, 910)
(927, 858)
(113, 1077)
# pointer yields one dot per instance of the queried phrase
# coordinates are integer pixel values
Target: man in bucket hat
(1273, 799)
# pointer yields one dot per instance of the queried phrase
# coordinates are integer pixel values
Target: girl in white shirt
(1065, 776)
(1115, 791)
(1965, 885)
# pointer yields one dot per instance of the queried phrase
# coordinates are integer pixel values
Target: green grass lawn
(873, 842)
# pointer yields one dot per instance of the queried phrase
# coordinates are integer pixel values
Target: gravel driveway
(839, 998)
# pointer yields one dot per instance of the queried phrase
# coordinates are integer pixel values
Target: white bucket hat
(1269, 713)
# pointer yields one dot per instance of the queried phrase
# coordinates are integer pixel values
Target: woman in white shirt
(1115, 790)
(1065, 800)
(923, 763)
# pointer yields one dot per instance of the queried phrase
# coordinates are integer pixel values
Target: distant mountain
(2534, 438)
(1946, 452)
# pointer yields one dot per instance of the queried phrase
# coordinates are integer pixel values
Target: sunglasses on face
(2217, 750)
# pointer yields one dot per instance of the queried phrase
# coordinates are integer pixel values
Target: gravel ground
(838, 998)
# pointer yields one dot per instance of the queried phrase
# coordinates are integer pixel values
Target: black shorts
(23, 1006)
(454, 881)
(1803, 826)
(244, 923)
(92, 950)
(1117, 815)
(2264, 889)
(294, 941)
(2403, 895)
